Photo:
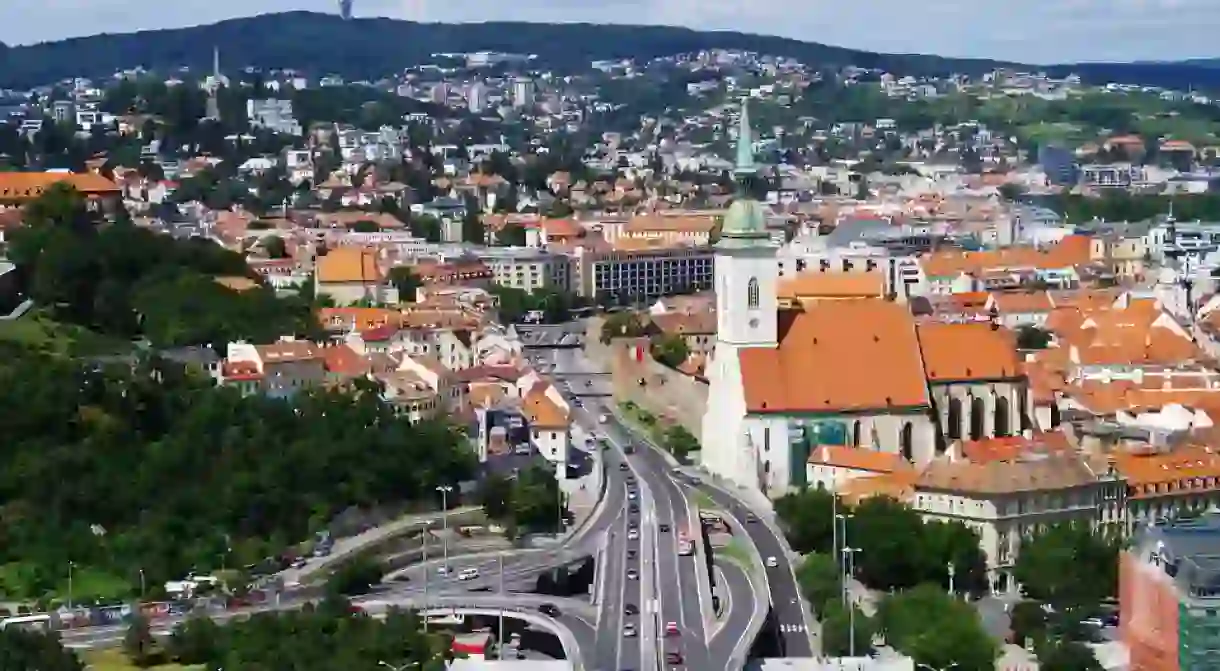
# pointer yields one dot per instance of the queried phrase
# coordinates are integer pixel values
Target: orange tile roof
(1021, 302)
(857, 459)
(1040, 472)
(288, 351)
(359, 319)
(1072, 251)
(899, 485)
(1145, 471)
(30, 185)
(838, 356)
(670, 223)
(349, 264)
(813, 285)
(1009, 449)
(541, 411)
(976, 351)
(240, 371)
(343, 361)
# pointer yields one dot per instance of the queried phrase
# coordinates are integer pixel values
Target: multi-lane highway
(652, 608)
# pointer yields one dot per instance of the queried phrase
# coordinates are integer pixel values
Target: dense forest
(127, 281)
(129, 471)
(372, 48)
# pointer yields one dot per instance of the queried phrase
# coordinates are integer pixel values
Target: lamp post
(921, 665)
(952, 572)
(500, 561)
(70, 566)
(142, 590)
(849, 561)
(444, 490)
(427, 532)
(840, 520)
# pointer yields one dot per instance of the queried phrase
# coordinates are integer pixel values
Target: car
(630, 554)
(588, 383)
(631, 480)
(468, 574)
(1096, 622)
(629, 449)
(603, 418)
(671, 629)
(663, 527)
(629, 630)
(633, 574)
(673, 657)
(631, 609)
(772, 562)
(443, 570)
(623, 467)
(751, 517)
(549, 609)
(633, 534)
(635, 508)
(631, 495)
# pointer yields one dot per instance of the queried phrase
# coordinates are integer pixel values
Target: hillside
(371, 48)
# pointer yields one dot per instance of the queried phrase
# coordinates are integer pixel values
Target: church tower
(747, 272)
(746, 268)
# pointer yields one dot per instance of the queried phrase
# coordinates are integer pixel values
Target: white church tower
(746, 307)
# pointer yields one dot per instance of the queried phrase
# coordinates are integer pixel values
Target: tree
(1032, 337)
(807, 517)
(426, 227)
(406, 282)
(1062, 655)
(22, 650)
(1068, 567)
(1028, 621)
(841, 625)
(820, 581)
(138, 641)
(274, 246)
(668, 349)
(473, 230)
(936, 629)
(679, 442)
(355, 577)
(511, 234)
(1010, 191)
(195, 641)
(365, 226)
(528, 502)
(622, 325)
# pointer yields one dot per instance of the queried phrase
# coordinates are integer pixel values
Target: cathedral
(785, 378)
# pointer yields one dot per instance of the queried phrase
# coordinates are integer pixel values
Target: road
(737, 595)
(787, 605)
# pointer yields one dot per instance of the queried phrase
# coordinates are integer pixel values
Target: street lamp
(142, 590)
(921, 665)
(444, 490)
(849, 560)
(70, 566)
(839, 523)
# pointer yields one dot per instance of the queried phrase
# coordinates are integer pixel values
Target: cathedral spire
(745, 143)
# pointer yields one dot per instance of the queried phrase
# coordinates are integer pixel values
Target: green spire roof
(745, 143)
(745, 222)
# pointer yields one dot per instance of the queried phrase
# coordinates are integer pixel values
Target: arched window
(1001, 417)
(955, 418)
(752, 293)
(906, 440)
(978, 419)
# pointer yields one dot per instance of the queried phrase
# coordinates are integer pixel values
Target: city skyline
(1040, 31)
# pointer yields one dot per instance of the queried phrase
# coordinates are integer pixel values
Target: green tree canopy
(181, 475)
(1069, 567)
(843, 625)
(936, 629)
(668, 349)
(22, 650)
(406, 281)
(820, 581)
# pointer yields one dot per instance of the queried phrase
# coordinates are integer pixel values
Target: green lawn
(737, 552)
(40, 332)
(115, 660)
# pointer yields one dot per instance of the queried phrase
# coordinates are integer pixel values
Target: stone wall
(661, 391)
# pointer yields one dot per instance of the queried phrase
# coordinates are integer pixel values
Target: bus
(685, 547)
(27, 622)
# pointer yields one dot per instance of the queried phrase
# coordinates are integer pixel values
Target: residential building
(19, 188)
(280, 369)
(274, 115)
(528, 269)
(350, 275)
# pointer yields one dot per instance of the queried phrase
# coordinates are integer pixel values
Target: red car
(671, 629)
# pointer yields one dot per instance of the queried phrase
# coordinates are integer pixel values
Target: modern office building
(1169, 593)
(1059, 164)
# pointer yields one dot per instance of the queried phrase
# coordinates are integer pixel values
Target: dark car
(623, 467)
(673, 657)
(549, 609)
(631, 609)
(663, 527)
(635, 508)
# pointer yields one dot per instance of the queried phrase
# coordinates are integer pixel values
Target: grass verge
(738, 552)
(115, 660)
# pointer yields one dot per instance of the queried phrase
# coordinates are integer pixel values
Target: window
(752, 293)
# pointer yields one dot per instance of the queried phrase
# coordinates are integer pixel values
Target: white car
(603, 418)
(468, 574)
(633, 535)
(772, 562)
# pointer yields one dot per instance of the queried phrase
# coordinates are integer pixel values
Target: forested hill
(372, 48)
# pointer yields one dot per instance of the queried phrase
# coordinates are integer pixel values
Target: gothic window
(752, 293)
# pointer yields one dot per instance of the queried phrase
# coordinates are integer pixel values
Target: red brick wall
(1148, 612)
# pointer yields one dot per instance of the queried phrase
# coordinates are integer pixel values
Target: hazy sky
(1026, 30)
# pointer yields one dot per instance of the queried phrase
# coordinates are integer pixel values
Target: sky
(1035, 31)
